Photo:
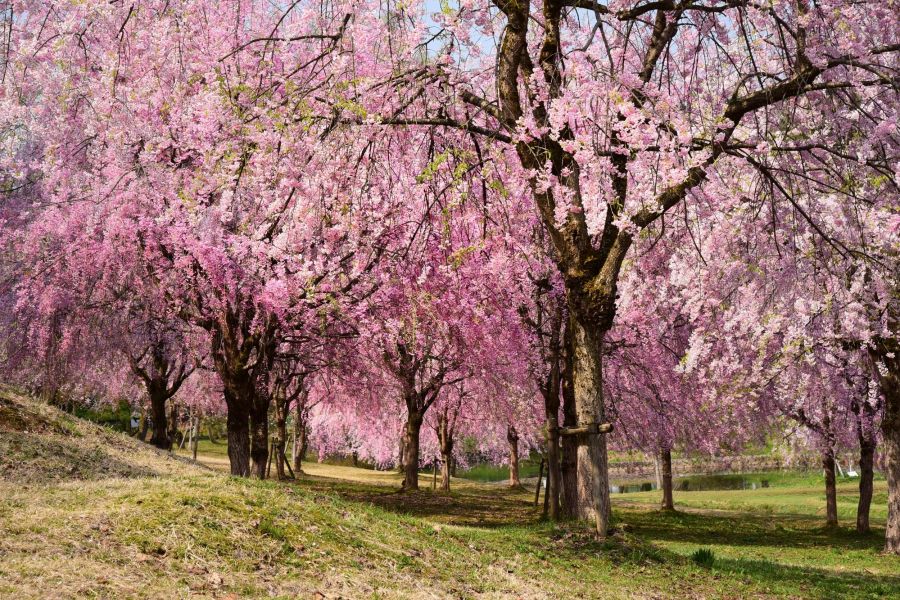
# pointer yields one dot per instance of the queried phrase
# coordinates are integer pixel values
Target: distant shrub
(114, 416)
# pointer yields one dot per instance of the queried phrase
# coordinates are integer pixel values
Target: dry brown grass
(39, 444)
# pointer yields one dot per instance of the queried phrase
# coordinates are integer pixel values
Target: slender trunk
(401, 463)
(174, 433)
(259, 435)
(593, 485)
(665, 460)
(445, 437)
(160, 437)
(281, 435)
(411, 451)
(300, 438)
(657, 471)
(830, 489)
(196, 436)
(866, 476)
(889, 379)
(302, 445)
(537, 488)
(513, 438)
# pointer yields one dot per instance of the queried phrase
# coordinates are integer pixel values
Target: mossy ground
(161, 528)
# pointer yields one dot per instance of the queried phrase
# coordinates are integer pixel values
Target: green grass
(156, 527)
(789, 494)
(486, 473)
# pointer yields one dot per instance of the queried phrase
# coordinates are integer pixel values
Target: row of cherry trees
(504, 221)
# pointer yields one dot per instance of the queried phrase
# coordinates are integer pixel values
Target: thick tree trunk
(569, 444)
(665, 462)
(554, 477)
(831, 517)
(593, 481)
(512, 437)
(160, 418)
(411, 451)
(889, 379)
(446, 459)
(238, 433)
(866, 476)
(259, 436)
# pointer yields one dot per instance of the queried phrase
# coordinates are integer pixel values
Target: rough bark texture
(513, 439)
(830, 489)
(195, 439)
(281, 435)
(568, 460)
(160, 418)
(238, 433)
(889, 379)
(411, 451)
(866, 475)
(174, 434)
(446, 460)
(401, 462)
(230, 359)
(665, 463)
(592, 485)
(554, 477)
(259, 436)
(445, 439)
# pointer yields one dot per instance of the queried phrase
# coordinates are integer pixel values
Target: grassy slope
(132, 522)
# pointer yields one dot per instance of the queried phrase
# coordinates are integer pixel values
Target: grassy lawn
(128, 521)
(765, 542)
(486, 473)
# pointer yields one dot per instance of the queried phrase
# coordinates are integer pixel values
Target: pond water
(693, 483)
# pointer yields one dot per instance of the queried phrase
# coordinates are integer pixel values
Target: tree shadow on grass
(811, 582)
(800, 532)
(748, 529)
(494, 508)
(574, 543)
